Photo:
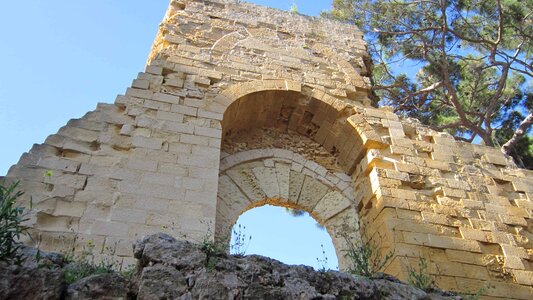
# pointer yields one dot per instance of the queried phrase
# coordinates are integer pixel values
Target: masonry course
(242, 105)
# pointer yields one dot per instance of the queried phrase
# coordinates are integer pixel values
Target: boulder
(172, 269)
(109, 286)
(27, 282)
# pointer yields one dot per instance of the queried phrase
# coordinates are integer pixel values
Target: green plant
(48, 174)
(294, 8)
(213, 247)
(366, 259)
(420, 278)
(129, 271)
(464, 67)
(84, 265)
(239, 241)
(322, 263)
(477, 294)
(11, 219)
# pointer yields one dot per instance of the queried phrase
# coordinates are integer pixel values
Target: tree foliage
(472, 65)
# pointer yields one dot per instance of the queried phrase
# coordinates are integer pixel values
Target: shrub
(476, 295)
(213, 247)
(11, 219)
(84, 265)
(322, 263)
(420, 278)
(239, 241)
(366, 258)
(294, 8)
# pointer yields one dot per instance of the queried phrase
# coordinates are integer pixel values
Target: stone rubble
(171, 269)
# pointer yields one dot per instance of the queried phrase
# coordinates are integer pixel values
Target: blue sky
(60, 58)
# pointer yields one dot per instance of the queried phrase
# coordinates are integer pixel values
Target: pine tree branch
(518, 134)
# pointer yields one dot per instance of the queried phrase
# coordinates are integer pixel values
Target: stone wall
(242, 105)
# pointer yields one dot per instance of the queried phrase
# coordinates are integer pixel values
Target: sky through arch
(293, 240)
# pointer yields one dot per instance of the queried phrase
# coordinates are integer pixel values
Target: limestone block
(208, 132)
(104, 198)
(69, 209)
(523, 277)
(167, 98)
(185, 110)
(283, 177)
(149, 143)
(56, 241)
(56, 163)
(141, 84)
(157, 178)
(95, 212)
(194, 184)
(155, 70)
(47, 222)
(142, 164)
(119, 246)
(497, 159)
(79, 133)
(202, 113)
(151, 190)
(331, 204)
(247, 182)
(453, 243)
(194, 139)
(268, 181)
(230, 193)
(312, 192)
(513, 262)
(109, 228)
(200, 197)
(127, 215)
(169, 116)
(177, 127)
(198, 161)
(296, 181)
(509, 250)
(151, 203)
(205, 173)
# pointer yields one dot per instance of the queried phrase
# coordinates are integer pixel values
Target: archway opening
(283, 148)
(275, 232)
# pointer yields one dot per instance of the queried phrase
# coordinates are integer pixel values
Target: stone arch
(269, 168)
(326, 117)
(283, 178)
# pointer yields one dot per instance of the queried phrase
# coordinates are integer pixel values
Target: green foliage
(240, 241)
(11, 219)
(473, 59)
(129, 271)
(294, 8)
(213, 247)
(366, 259)
(48, 174)
(420, 278)
(85, 265)
(477, 294)
(295, 212)
(300, 213)
(81, 270)
(523, 150)
(322, 263)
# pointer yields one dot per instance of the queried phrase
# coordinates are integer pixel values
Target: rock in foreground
(172, 269)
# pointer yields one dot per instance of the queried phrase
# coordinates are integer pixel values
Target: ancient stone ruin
(241, 106)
